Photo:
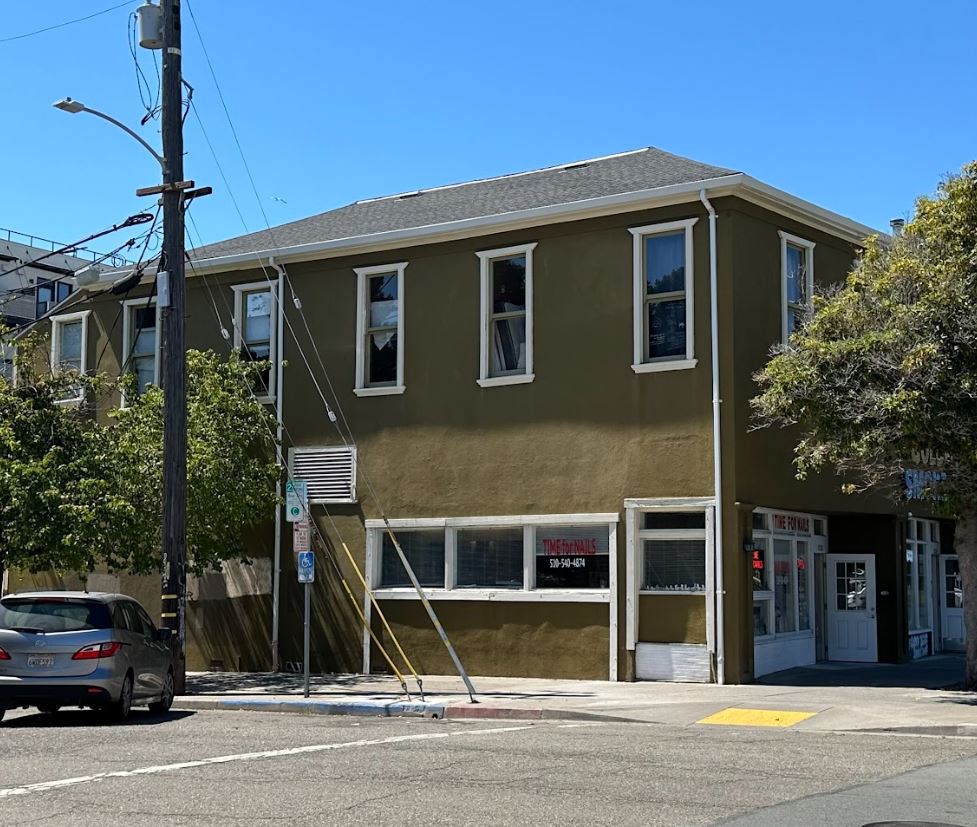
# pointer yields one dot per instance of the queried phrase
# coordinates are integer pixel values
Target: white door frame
(869, 652)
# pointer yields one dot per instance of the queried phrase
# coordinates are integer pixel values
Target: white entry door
(851, 608)
(951, 603)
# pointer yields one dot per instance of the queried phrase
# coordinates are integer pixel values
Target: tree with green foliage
(883, 376)
(76, 494)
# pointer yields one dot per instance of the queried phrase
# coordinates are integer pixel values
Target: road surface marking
(45, 786)
(735, 716)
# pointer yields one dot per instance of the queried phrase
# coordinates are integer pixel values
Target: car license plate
(40, 661)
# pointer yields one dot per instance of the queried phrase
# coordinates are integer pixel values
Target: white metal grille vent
(329, 471)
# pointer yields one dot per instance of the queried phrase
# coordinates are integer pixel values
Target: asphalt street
(248, 767)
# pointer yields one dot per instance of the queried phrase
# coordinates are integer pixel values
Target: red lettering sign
(791, 522)
(561, 546)
(757, 560)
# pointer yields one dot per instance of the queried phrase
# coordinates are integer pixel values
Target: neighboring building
(526, 365)
(34, 278)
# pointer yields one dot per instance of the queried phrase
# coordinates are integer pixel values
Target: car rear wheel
(49, 709)
(120, 709)
(166, 699)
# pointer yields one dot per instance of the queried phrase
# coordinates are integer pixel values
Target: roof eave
(739, 184)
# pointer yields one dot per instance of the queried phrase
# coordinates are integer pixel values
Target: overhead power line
(65, 23)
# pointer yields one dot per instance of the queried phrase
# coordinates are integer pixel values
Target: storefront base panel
(776, 655)
(684, 662)
(504, 639)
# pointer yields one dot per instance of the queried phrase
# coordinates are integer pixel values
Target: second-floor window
(506, 337)
(141, 337)
(49, 294)
(797, 281)
(663, 296)
(69, 336)
(255, 329)
(380, 330)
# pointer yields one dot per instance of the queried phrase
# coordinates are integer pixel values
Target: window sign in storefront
(781, 566)
(572, 557)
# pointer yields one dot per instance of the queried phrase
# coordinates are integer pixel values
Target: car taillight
(97, 650)
(4, 654)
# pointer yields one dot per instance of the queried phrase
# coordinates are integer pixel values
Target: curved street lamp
(74, 107)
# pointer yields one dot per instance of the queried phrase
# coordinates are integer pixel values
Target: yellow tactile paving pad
(735, 716)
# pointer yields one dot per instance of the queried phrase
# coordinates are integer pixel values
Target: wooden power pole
(173, 307)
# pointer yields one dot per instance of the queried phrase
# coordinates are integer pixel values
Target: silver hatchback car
(82, 649)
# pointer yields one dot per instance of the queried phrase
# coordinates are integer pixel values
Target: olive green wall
(672, 618)
(586, 434)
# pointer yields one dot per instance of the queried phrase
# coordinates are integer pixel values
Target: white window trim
(639, 234)
(127, 306)
(56, 322)
(12, 355)
(240, 290)
(486, 257)
(528, 522)
(363, 275)
(808, 246)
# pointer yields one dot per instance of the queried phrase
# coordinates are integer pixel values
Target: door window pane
(953, 588)
(850, 587)
(784, 586)
(424, 551)
(572, 557)
(803, 596)
(490, 557)
(674, 565)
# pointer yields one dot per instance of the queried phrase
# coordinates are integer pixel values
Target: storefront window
(572, 557)
(673, 551)
(920, 557)
(490, 557)
(759, 565)
(424, 551)
(761, 618)
(803, 583)
(784, 587)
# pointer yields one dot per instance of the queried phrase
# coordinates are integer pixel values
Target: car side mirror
(163, 635)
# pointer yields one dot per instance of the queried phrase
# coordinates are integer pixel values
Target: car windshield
(52, 614)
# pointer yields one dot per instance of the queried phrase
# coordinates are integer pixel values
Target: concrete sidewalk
(918, 705)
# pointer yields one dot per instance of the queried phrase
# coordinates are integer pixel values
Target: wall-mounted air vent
(330, 472)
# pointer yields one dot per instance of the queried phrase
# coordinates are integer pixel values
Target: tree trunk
(965, 544)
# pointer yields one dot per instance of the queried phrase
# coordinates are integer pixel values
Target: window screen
(674, 565)
(424, 551)
(490, 557)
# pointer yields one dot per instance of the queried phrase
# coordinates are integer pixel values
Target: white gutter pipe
(717, 462)
(279, 431)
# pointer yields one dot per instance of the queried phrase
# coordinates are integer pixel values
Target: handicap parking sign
(306, 567)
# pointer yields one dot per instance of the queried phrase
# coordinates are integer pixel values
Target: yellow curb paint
(734, 716)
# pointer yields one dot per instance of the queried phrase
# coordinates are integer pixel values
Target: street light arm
(122, 126)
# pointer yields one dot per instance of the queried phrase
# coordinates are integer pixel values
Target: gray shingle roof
(628, 172)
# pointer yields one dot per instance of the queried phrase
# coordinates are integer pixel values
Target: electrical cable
(318, 534)
(150, 104)
(65, 23)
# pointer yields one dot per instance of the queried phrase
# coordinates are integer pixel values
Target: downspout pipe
(717, 462)
(279, 431)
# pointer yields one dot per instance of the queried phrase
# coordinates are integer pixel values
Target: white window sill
(266, 400)
(501, 595)
(391, 390)
(495, 381)
(658, 367)
(683, 592)
(69, 403)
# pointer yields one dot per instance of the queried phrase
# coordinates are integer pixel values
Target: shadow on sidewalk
(935, 672)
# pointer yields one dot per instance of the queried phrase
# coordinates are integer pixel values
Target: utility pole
(174, 344)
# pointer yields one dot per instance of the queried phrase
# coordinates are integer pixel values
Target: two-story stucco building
(543, 381)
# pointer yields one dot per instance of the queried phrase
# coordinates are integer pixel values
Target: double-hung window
(255, 332)
(797, 281)
(663, 296)
(7, 352)
(69, 346)
(506, 327)
(140, 334)
(380, 330)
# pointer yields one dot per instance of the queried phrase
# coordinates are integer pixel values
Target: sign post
(306, 572)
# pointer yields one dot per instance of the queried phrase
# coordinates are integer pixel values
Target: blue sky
(856, 106)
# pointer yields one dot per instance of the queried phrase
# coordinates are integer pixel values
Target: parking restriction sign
(296, 500)
(301, 536)
(306, 567)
